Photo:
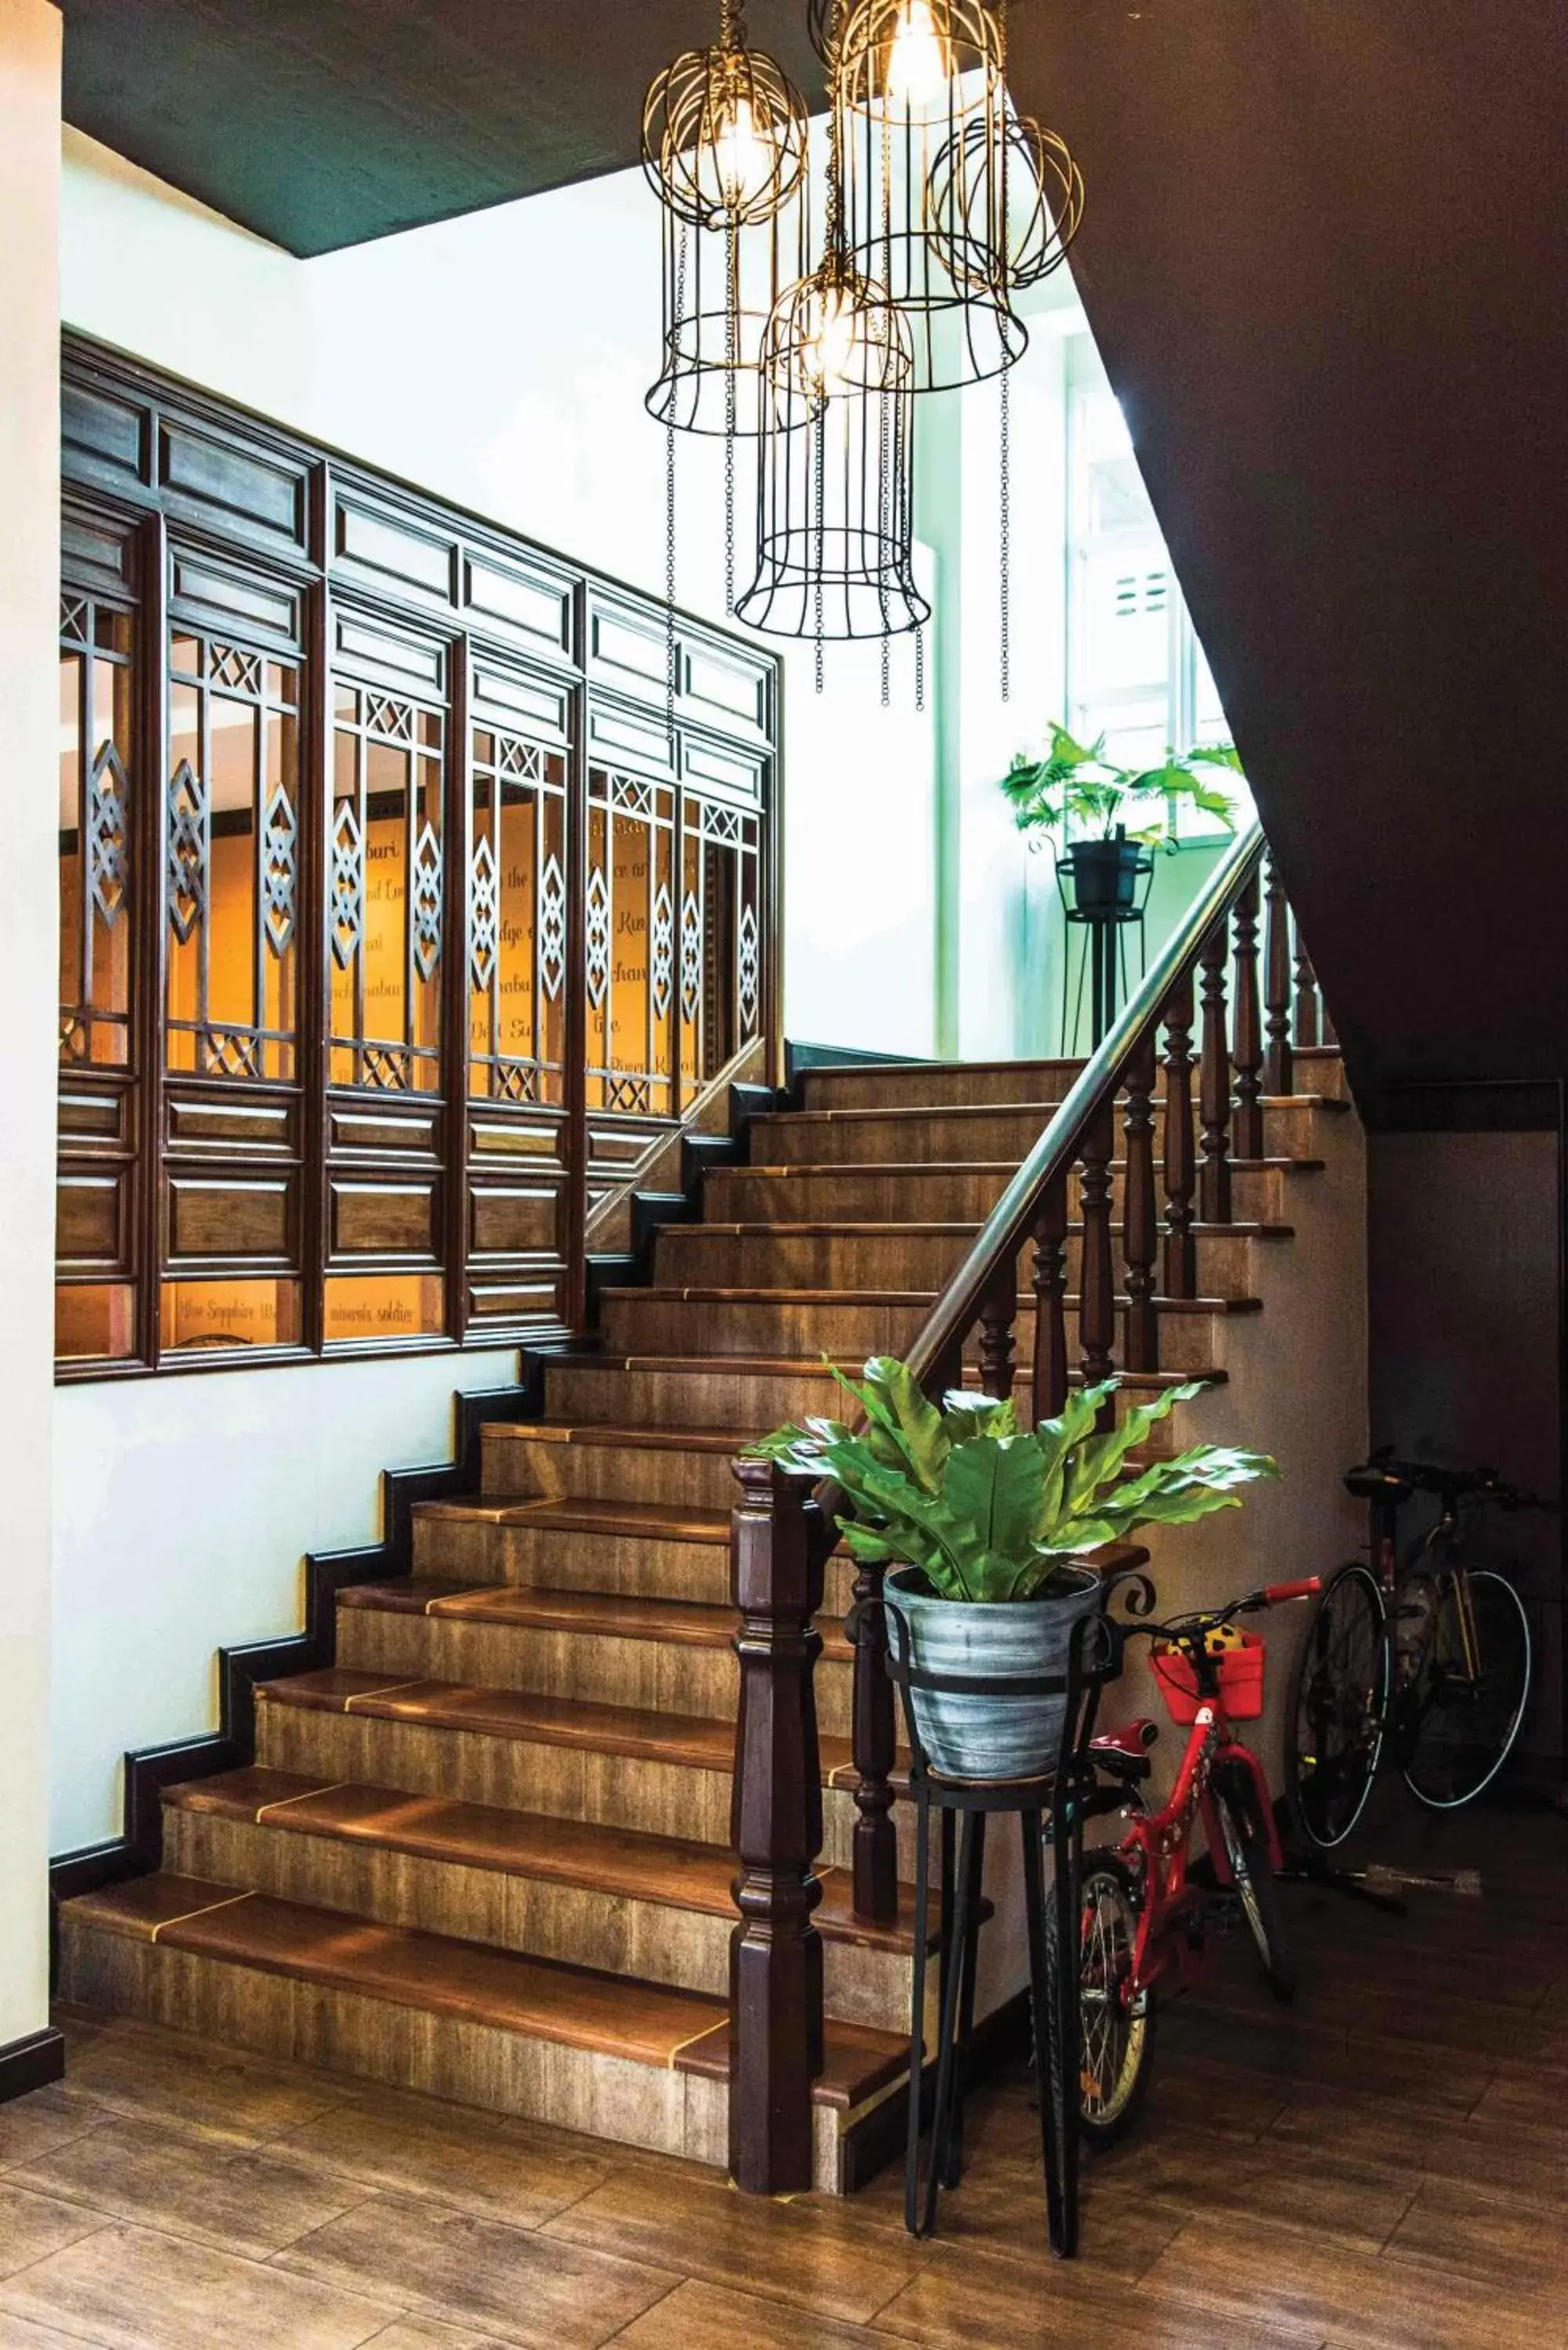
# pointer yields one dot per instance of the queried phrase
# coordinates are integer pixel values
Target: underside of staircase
(487, 1853)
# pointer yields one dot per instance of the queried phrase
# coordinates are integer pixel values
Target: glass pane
(232, 916)
(211, 1317)
(379, 1309)
(95, 1322)
(70, 832)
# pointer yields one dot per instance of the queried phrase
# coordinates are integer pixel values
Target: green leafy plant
(988, 1510)
(1075, 783)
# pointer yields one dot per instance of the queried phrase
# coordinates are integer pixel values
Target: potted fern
(987, 1526)
(1075, 783)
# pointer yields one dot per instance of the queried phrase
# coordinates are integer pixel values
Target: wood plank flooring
(1382, 2168)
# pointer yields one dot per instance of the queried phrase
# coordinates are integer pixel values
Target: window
(1136, 670)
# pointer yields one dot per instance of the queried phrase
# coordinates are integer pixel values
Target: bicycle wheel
(1117, 2025)
(1464, 1722)
(1252, 1868)
(1336, 1706)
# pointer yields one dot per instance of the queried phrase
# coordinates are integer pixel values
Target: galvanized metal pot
(1001, 1737)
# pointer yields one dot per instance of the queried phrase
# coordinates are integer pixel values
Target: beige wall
(29, 588)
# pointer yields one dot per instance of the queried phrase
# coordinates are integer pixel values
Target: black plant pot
(1104, 874)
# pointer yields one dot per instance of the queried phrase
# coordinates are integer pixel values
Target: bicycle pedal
(1225, 1912)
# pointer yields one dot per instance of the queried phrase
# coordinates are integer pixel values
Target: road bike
(1143, 1917)
(1428, 1656)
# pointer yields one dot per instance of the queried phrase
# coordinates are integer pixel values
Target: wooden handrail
(935, 1353)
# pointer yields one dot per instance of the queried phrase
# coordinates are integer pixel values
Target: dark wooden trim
(34, 2062)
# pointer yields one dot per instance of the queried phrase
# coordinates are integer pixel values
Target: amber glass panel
(630, 930)
(211, 1317)
(95, 816)
(380, 1309)
(517, 917)
(385, 859)
(95, 1322)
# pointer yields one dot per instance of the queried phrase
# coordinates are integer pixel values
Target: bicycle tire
(1336, 1706)
(1106, 2114)
(1252, 1873)
(1444, 1769)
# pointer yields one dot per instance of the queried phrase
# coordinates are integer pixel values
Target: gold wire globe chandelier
(939, 205)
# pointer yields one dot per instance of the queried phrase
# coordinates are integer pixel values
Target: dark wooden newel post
(775, 1953)
(1279, 1062)
(1049, 1364)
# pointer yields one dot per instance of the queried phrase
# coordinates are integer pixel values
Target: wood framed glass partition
(403, 910)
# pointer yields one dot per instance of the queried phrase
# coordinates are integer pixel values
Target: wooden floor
(1383, 2169)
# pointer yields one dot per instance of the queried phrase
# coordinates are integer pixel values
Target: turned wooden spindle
(1214, 1080)
(1279, 1060)
(776, 1560)
(997, 1316)
(1140, 1229)
(1050, 1387)
(1246, 1051)
(874, 1854)
(1096, 1278)
(1180, 1152)
(1306, 995)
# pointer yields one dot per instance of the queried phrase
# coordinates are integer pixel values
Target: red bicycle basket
(1240, 1681)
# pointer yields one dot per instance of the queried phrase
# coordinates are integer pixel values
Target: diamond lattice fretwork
(598, 937)
(187, 866)
(691, 955)
(347, 884)
(425, 894)
(747, 970)
(552, 930)
(280, 841)
(663, 951)
(482, 912)
(109, 837)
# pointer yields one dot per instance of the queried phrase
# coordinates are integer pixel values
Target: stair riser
(756, 1401)
(784, 1140)
(571, 2088)
(647, 1941)
(931, 1083)
(655, 1675)
(673, 1325)
(544, 1559)
(742, 1197)
(651, 1326)
(516, 1465)
(704, 1257)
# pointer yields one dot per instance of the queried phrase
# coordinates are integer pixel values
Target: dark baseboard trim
(32, 2063)
(879, 2138)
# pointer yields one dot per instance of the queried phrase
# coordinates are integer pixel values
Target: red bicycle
(1143, 1918)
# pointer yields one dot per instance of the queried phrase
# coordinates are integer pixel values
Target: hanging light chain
(1005, 550)
(731, 361)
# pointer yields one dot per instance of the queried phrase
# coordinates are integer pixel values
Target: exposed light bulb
(834, 332)
(743, 156)
(918, 69)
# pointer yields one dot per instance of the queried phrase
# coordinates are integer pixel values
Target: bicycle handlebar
(1457, 1484)
(1183, 1629)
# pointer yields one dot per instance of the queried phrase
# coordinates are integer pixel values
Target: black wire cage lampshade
(922, 117)
(834, 471)
(725, 139)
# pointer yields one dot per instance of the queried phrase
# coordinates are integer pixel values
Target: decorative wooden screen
(398, 918)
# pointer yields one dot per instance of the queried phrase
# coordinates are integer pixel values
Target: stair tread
(792, 1168)
(648, 2023)
(610, 1615)
(853, 1228)
(816, 1367)
(629, 1863)
(656, 1520)
(625, 1436)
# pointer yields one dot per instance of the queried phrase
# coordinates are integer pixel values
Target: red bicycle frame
(1157, 1846)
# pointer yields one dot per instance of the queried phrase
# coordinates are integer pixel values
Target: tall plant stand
(1049, 1804)
(1104, 932)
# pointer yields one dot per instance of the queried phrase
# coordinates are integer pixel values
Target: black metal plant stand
(1044, 1806)
(1101, 960)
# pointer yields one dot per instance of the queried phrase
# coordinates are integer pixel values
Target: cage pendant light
(920, 107)
(835, 505)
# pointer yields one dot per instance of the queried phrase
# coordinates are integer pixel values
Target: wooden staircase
(488, 1853)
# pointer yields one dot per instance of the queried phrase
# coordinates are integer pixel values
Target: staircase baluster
(1278, 1061)
(1247, 1129)
(1050, 1385)
(1140, 1236)
(1096, 1277)
(997, 1316)
(874, 1854)
(1214, 1084)
(775, 1952)
(1181, 1156)
(1306, 995)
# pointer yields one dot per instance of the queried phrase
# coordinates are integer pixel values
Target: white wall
(501, 361)
(29, 591)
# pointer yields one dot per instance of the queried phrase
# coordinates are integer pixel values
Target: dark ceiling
(320, 123)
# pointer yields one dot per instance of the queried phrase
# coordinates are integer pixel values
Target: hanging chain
(670, 657)
(1006, 527)
(731, 361)
(920, 667)
(818, 495)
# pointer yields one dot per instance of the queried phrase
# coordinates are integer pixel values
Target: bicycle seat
(1375, 1484)
(1124, 1753)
